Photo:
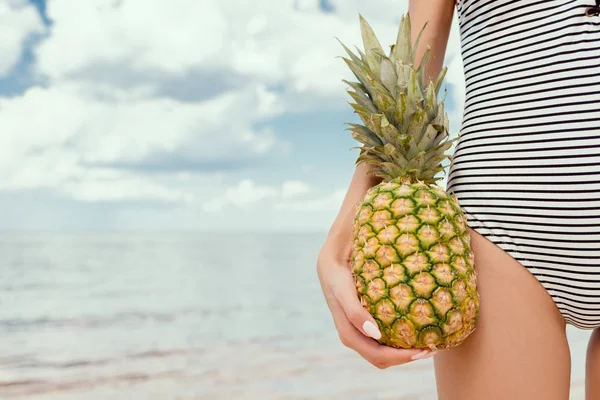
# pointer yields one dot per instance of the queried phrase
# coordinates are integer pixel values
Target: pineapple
(411, 255)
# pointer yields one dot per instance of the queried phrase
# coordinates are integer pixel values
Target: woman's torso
(526, 168)
(532, 76)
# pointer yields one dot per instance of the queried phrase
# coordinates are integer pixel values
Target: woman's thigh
(519, 348)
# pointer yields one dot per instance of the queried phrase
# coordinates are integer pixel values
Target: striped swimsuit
(526, 167)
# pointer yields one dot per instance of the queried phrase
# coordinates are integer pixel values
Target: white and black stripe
(526, 168)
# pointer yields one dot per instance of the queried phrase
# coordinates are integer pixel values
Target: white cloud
(171, 36)
(291, 189)
(329, 202)
(382, 12)
(245, 193)
(138, 84)
(291, 195)
(57, 134)
(18, 20)
(290, 43)
(111, 185)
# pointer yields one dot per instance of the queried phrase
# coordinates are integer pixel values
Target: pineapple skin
(413, 265)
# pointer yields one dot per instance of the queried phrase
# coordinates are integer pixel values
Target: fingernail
(433, 353)
(371, 330)
(420, 355)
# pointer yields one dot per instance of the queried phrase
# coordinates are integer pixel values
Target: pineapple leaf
(438, 149)
(372, 63)
(360, 74)
(384, 177)
(446, 120)
(416, 128)
(413, 172)
(365, 159)
(451, 160)
(401, 81)
(428, 138)
(366, 117)
(422, 66)
(391, 169)
(400, 111)
(363, 100)
(364, 135)
(384, 102)
(403, 41)
(442, 137)
(418, 161)
(404, 130)
(353, 56)
(370, 41)
(357, 86)
(369, 158)
(378, 152)
(436, 160)
(440, 79)
(430, 101)
(403, 142)
(439, 118)
(388, 131)
(413, 149)
(388, 150)
(387, 74)
(414, 50)
(438, 127)
(363, 56)
(414, 90)
(429, 175)
(438, 139)
(399, 159)
(365, 76)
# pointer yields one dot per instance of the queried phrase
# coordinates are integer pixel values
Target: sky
(183, 115)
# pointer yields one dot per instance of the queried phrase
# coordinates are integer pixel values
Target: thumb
(347, 298)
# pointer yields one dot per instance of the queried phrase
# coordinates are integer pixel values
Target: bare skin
(592, 367)
(510, 355)
(519, 349)
(338, 287)
(333, 269)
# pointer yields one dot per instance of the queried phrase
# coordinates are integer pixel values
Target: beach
(184, 316)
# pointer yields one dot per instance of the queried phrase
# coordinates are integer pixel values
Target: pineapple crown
(405, 131)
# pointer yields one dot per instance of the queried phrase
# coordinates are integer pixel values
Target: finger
(379, 355)
(344, 290)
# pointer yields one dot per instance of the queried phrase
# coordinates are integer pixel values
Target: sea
(90, 316)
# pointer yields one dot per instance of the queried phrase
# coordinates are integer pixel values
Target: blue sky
(182, 115)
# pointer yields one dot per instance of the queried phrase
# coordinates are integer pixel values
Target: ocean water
(184, 316)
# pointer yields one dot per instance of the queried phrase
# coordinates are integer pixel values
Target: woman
(526, 173)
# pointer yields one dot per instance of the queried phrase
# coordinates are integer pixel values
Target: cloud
(245, 193)
(291, 189)
(291, 195)
(18, 21)
(285, 44)
(61, 133)
(116, 186)
(170, 37)
(330, 202)
(142, 100)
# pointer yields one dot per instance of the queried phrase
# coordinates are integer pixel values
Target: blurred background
(168, 173)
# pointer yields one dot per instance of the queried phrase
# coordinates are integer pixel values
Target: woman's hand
(356, 327)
